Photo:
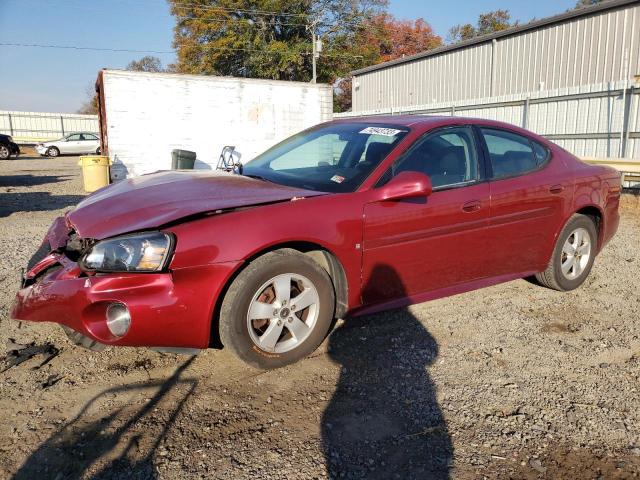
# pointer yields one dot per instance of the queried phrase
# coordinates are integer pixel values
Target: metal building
(574, 77)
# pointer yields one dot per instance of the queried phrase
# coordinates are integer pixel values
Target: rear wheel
(4, 152)
(278, 310)
(53, 152)
(573, 255)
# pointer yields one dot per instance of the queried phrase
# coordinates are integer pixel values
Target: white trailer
(144, 116)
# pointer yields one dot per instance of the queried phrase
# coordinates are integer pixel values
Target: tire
(580, 230)
(252, 341)
(53, 152)
(5, 153)
(98, 151)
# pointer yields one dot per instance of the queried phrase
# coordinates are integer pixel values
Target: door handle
(556, 189)
(472, 206)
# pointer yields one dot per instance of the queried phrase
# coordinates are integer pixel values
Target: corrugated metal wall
(29, 127)
(589, 51)
(598, 121)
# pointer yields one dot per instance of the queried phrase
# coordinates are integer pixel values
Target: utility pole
(314, 55)
(317, 48)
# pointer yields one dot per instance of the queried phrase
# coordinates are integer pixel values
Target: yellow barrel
(95, 171)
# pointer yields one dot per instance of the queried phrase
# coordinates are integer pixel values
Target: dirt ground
(513, 381)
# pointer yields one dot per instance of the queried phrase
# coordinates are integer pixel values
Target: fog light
(118, 319)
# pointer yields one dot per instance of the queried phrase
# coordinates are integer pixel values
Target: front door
(72, 145)
(414, 246)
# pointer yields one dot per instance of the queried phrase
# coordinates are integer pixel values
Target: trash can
(182, 159)
(95, 171)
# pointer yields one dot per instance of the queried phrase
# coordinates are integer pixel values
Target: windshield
(335, 157)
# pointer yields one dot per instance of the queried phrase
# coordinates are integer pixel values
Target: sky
(56, 80)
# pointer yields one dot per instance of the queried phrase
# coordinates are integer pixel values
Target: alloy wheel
(576, 252)
(283, 313)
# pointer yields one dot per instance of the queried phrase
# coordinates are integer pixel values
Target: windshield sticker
(337, 179)
(387, 132)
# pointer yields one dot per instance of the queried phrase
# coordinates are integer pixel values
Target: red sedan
(263, 260)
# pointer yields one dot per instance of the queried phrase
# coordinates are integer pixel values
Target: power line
(75, 47)
(239, 10)
(207, 47)
(240, 20)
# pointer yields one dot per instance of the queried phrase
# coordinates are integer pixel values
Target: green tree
(147, 63)
(268, 38)
(588, 3)
(487, 23)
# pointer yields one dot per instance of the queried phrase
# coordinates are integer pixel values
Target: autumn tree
(382, 38)
(489, 22)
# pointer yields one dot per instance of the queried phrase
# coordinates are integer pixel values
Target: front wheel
(573, 255)
(53, 152)
(278, 310)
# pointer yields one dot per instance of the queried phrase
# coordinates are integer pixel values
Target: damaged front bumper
(167, 309)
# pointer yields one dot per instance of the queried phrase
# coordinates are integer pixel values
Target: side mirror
(406, 185)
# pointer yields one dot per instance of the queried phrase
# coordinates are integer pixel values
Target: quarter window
(447, 156)
(512, 154)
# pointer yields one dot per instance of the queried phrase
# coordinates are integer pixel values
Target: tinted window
(88, 136)
(510, 154)
(448, 157)
(541, 152)
(73, 138)
(334, 157)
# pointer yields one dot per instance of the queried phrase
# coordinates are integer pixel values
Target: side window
(511, 154)
(541, 153)
(323, 150)
(89, 136)
(447, 156)
(73, 138)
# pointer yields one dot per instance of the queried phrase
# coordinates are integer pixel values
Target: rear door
(530, 191)
(418, 245)
(72, 144)
(88, 143)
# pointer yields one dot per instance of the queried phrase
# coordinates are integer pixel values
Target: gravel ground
(513, 381)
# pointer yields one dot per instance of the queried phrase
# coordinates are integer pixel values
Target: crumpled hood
(153, 200)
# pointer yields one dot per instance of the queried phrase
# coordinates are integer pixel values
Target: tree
(147, 63)
(587, 3)
(90, 106)
(383, 38)
(487, 23)
(268, 38)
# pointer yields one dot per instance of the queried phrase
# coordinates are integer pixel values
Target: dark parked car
(8, 147)
(264, 261)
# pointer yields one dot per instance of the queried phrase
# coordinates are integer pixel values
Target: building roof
(576, 13)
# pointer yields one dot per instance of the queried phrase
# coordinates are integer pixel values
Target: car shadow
(31, 180)
(72, 451)
(384, 420)
(35, 202)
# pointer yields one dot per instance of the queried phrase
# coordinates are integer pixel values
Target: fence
(31, 127)
(595, 121)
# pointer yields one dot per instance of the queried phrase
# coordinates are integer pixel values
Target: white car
(75, 144)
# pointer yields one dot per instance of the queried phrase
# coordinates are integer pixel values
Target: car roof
(427, 122)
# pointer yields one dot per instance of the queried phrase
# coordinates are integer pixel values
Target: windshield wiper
(257, 177)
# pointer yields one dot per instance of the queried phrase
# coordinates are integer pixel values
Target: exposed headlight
(11, 139)
(140, 252)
